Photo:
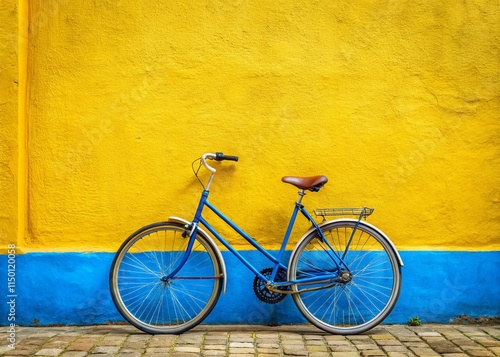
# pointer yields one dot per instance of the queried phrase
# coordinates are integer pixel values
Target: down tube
(230, 248)
(242, 233)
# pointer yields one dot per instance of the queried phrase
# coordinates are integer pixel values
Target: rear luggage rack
(361, 212)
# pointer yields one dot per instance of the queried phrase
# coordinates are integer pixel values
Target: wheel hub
(345, 277)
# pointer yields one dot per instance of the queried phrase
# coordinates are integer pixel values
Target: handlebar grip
(220, 157)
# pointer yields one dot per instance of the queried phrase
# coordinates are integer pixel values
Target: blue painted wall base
(72, 288)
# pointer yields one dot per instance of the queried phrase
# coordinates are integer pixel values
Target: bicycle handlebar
(217, 157)
(220, 157)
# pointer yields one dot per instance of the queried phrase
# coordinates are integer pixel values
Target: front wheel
(367, 285)
(145, 294)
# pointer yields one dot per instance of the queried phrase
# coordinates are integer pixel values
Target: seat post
(301, 195)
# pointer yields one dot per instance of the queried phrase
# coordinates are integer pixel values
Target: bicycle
(344, 275)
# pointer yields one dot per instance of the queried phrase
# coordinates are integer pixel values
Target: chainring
(260, 290)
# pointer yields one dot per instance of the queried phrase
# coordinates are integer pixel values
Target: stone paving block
(134, 345)
(266, 335)
(488, 342)
(317, 348)
(429, 334)
(312, 337)
(475, 333)
(220, 347)
(366, 346)
(409, 338)
(241, 337)
(56, 344)
(334, 338)
(319, 354)
(185, 349)
(445, 347)
(74, 354)
(416, 344)
(434, 340)
(394, 349)
(215, 341)
(480, 353)
(492, 331)
(400, 354)
(216, 333)
(471, 347)
(138, 337)
(369, 353)
(241, 344)
(214, 353)
(343, 348)
(339, 343)
(388, 342)
(33, 341)
(125, 351)
(268, 350)
(359, 337)
(147, 354)
(21, 351)
(81, 346)
(315, 342)
(162, 340)
(495, 350)
(345, 354)
(105, 349)
(451, 333)
(164, 350)
(463, 341)
(275, 345)
(189, 340)
(49, 352)
(113, 339)
(383, 337)
(294, 350)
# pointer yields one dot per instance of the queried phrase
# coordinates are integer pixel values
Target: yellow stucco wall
(396, 102)
(8, 122)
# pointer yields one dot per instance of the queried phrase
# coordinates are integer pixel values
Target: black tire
(372, 277)
(140, 288)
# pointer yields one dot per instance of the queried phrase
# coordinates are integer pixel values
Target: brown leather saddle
(312, 183)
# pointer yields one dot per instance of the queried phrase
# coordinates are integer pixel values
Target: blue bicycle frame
(276, 260)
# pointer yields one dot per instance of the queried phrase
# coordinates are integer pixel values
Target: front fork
(191, 231)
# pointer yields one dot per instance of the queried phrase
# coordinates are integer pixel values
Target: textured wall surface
(8, 121)
(432, 290)
(396, 102)
(105, 104)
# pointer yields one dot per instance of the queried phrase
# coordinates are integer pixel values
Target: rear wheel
(144, 293)
(368, 285)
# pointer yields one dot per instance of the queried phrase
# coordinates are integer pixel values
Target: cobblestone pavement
(251, 340)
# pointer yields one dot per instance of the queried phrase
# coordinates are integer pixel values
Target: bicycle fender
(211, 241)
(391, 244)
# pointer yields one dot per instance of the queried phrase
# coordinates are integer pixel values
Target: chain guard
(260, 290)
